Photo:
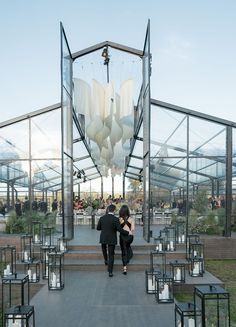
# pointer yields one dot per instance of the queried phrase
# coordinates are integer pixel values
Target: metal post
(12, 195)
(101, 187)
(112, 187)
(228, 191)
(212, 187)
(30, 171)
(123, 187)
(78, 185)
(187, 180)
(8, 189)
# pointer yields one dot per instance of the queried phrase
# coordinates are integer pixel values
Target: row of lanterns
(36, 249)
(211, 302)
(211, 308)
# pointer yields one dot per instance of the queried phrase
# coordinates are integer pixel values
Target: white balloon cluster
(109, 121)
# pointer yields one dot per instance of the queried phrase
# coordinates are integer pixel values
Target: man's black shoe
(106, 263)
(110, 274)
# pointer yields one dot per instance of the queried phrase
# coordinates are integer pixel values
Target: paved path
(93, 299)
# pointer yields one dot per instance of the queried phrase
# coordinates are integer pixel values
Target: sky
(192, 43)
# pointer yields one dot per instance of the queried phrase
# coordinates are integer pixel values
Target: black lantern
(15, 291)
(55, 270)
(158, 261)
(32, 269)
(196, 249)
(45, 250)
(178, 271)
(213, 303)
(185, 315)
(19, 316)
(164, 289)
(26, 248)
(163, 236)
(159, 244)
(37, 232)
(196, 267)
(180, 232)
(170, 238)
(150, 280)
(47, 236)
(8, 260)
(62, 244)
(191, 238)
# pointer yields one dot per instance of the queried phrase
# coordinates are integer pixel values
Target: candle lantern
(196, 267)
(45, 250)
(178, 271)
(164, 289)
(213, 303)
(47, 236)
(159, 244)
(191, 238)
(55, 270)
(196, 249)
(37, 232)
(170, 238)
(158, 261)
(15, 291)
(185, 314)
(62, 244)
(32, 269)
(22, 315)
(163, 236)
(8, 260)
(150, 280)
(26, 248)
(180, 232)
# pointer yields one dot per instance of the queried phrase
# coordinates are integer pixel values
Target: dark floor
(91, 298)
(94, 299)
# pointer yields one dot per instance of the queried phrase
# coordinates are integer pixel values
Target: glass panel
(168, 133)
(46, 135)
(206, 138)
(67, 138)
(146, 135)
(14, 141)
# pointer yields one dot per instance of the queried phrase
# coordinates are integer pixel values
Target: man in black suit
(108, 225)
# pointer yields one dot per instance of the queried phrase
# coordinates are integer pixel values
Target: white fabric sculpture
(108, 121)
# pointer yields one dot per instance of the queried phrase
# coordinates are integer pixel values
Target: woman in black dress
(127, 223)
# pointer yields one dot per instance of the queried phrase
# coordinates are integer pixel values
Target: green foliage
(211, 223)
(15, 225)
(91, 204)
(135, 186)
(22, 225)
(200, 203)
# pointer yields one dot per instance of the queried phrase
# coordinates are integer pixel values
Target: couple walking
(109, 224)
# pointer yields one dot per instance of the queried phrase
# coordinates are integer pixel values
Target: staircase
(90, 258)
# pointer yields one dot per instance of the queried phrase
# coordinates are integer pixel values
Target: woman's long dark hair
(124, 211)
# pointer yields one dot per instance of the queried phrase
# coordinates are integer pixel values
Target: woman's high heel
(125, 270)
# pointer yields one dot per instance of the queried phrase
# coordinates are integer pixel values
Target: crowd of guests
(22, 207)
(98, 203)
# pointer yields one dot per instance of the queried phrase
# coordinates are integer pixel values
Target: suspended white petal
(126, 98)
(98, 97)
(94, 127)
(102, 135)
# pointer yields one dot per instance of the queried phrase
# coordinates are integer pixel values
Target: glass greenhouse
(176, 153)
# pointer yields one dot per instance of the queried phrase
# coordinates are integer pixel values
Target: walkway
(93, 299)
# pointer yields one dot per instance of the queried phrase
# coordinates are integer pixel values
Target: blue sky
(192, 42)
